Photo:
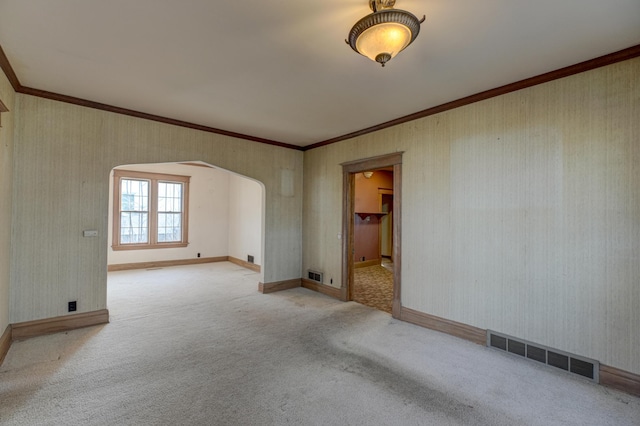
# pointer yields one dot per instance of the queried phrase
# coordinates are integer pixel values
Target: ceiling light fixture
(381, 35)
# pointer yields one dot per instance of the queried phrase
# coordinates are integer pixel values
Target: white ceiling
(280, 70)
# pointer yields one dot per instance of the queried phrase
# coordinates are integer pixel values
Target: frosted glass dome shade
(383, 34)
(388, 38)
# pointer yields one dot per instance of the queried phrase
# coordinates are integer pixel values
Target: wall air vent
(582, 366)
(314, 276)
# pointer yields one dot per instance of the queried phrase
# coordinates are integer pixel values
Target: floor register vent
(582, 366)
(314, 276)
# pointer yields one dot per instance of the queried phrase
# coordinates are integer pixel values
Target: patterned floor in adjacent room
(374, 286)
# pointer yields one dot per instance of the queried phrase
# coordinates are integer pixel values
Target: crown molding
(8, 71)
(118, 110)
(601, 61)
(19, 88)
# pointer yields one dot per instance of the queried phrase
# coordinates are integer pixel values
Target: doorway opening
(371, 256)
(373, 239)
(217, 215)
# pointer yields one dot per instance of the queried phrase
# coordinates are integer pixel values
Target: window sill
(123, 247)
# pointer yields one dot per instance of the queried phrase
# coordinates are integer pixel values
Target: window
(149, 210)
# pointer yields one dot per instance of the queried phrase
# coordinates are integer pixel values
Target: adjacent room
(373, 239)
(215, 216)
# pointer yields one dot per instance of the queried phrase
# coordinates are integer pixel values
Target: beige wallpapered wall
(521, 213)
(7, 96)
(63, 156)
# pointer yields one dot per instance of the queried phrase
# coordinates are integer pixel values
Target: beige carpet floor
(198, 345)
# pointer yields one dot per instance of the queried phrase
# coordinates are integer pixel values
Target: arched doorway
(224, 214)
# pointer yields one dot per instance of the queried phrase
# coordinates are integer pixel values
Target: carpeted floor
(198, 345)
(373, 287)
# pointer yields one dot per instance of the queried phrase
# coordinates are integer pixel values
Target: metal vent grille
(498, 342)
(536, 354)
(584, 367)
(314, 276)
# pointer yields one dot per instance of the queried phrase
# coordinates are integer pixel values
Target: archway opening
(167, 214)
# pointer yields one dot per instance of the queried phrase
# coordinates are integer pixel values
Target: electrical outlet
(249, 258)
(73, 306)
(198, 254)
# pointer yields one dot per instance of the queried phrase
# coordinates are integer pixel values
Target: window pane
(134, 195)
(169, 227)
(134, 208)
(169, 212)
(133, 228)
(126, 203)
(169, 197)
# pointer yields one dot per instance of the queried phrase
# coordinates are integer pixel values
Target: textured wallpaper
(520, 213)
(63, 156)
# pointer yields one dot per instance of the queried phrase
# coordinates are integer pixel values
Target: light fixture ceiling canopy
(381, 35)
